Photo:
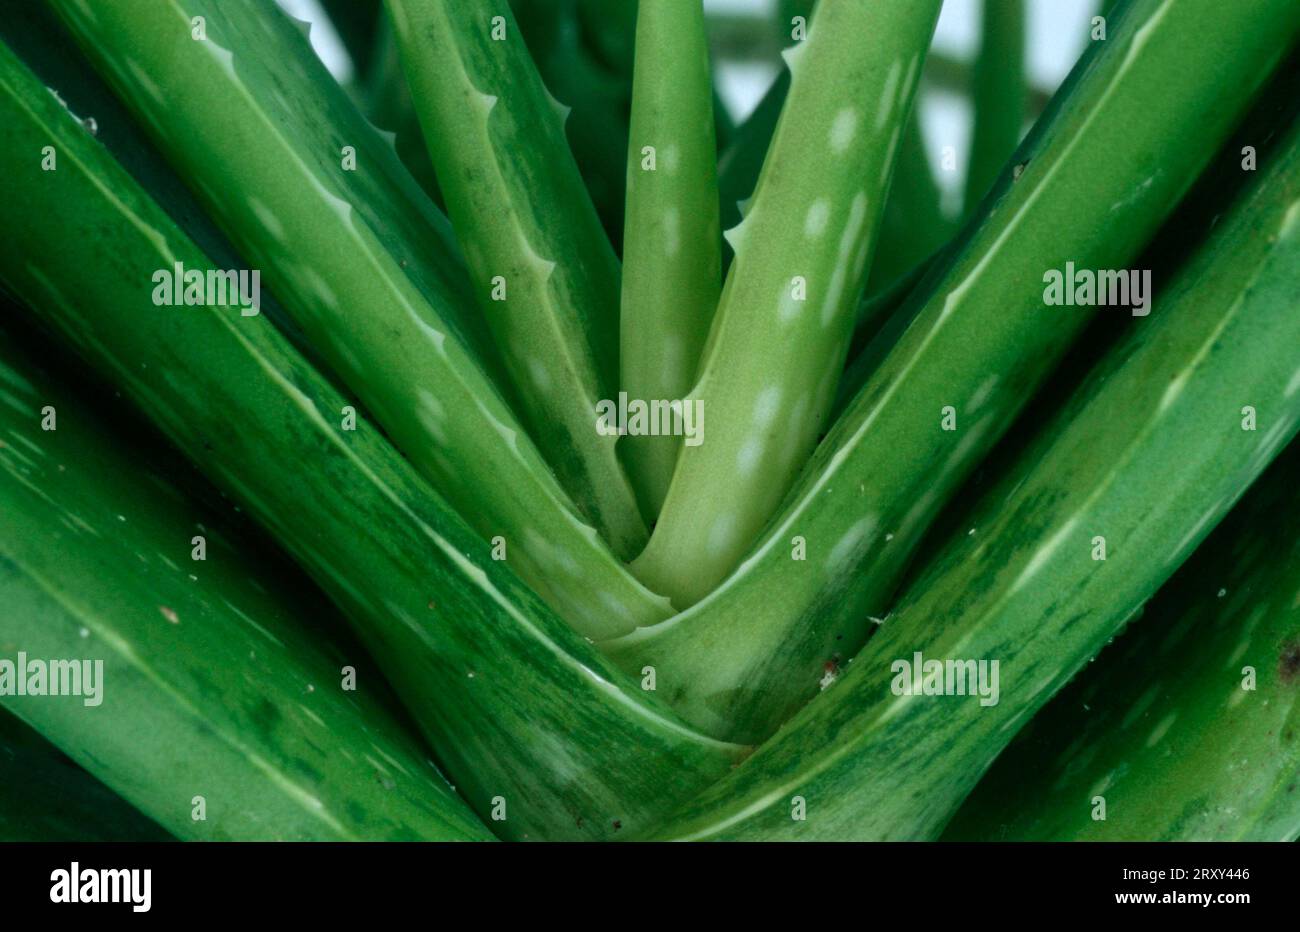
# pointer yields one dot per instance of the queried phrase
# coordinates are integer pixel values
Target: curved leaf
(545, 276)
(1187, 727)
(671, 263)
(1119, 489)
(1104, 166)
(514, 704)
(368, 274)
(783, 324)
(211, 684)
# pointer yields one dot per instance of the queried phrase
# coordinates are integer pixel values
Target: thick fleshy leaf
(47, 797)
(544, 273)
(515, 705)
(1153, 450)
(197, 677)
(672, 272)
(360, 259)
(1108, 161)
(783, 324)
(1186, 728)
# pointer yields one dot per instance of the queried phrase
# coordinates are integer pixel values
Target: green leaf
(1187, 726)
(783, 325)
(999, 93)
(1104, 166)
(1123, 484)
(610, 30)
(882, 319)
(600, 99)
(36, 36)
(388, 104)
(914, 225)
(259, 138)
(671, 262)
(741, 162)
(49, 798)
(514, 704)
(544, 274)
(212, 684)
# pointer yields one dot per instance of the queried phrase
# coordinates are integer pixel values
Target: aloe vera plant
(1070, 546)
(914, 451)
(406, 364)
(451, 626)
(1186, 727)
(978, 340)
(766, 406)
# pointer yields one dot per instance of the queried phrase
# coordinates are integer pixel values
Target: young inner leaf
(671, 258)
(543, 271)
(778, 342)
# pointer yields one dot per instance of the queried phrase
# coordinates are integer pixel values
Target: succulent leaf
(1107, 162)
(271, 122)
(671, 261)
(1185, 725)
(514, 704)
(58, 801)
(876, 757)
(209, 684)
(1000, 94)
(781, 332)
(544, 274)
